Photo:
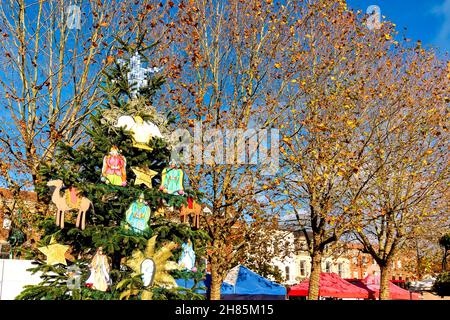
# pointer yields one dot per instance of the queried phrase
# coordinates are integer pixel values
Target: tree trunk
(419, 262)
(216, 282)
(314, 279)
(444, 261)
(384, 281)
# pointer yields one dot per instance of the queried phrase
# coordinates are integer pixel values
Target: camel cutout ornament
(69, 201)
(192, 209)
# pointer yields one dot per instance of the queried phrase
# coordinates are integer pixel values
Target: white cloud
(443, 38)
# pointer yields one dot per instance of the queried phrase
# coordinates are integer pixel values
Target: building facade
(362, 265)
(349, 262)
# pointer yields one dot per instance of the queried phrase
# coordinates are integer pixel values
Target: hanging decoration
(70, 201)
(114, 168)
(138, 215)
(99, 278)
(142, 131)
(144, 176)
(148, 269)
(153, 266)
(187, 259)
(137, 76)
(194, 210)
(55, 252)
(172, 179)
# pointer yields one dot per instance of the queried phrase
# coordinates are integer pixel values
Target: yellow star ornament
(153, 266)
(55, 252)
(144, 176)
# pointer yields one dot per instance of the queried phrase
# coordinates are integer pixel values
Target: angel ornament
(187, 259)
(99, 277)
(142, 131)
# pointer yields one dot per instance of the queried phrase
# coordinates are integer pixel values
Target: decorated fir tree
(117, 233)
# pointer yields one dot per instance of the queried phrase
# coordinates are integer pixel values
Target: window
(288, 276)
(355, 260)
(393, 277)
(399, 264)
(340, 269)
(364, 260)
(302, 268)
(328, 267)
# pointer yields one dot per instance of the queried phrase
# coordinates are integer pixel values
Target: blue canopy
(242, 284)
(189, 284)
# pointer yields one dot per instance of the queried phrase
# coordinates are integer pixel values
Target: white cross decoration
(138, 76)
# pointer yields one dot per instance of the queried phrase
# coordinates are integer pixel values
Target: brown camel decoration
(65, 203)
(192, 209)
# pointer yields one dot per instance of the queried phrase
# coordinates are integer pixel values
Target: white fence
(14, 276)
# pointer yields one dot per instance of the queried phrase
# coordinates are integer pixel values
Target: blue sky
(425, 20)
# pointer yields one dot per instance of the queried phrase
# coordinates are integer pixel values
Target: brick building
(362, 264)
(349, 262)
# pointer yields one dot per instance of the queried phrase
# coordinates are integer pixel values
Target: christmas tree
(118, 233)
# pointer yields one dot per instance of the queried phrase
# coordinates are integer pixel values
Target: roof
(243, 281)
(372, 283)
(331, 285)
(240, 281)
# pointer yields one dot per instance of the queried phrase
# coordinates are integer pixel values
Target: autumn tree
(329, 124)
(410, 142)
(225, 83)
(426, 248)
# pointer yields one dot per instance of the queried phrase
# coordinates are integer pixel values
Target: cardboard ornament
(141, 131)
(193, 210)
(99, 278)
(144, 176)
(55, 252)
(114, 168)
(154, 267)
(71, 200)
(187, 259)
(172, 180)
(138, 215)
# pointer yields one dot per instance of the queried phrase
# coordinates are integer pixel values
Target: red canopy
(372, 284)
(330, 285)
